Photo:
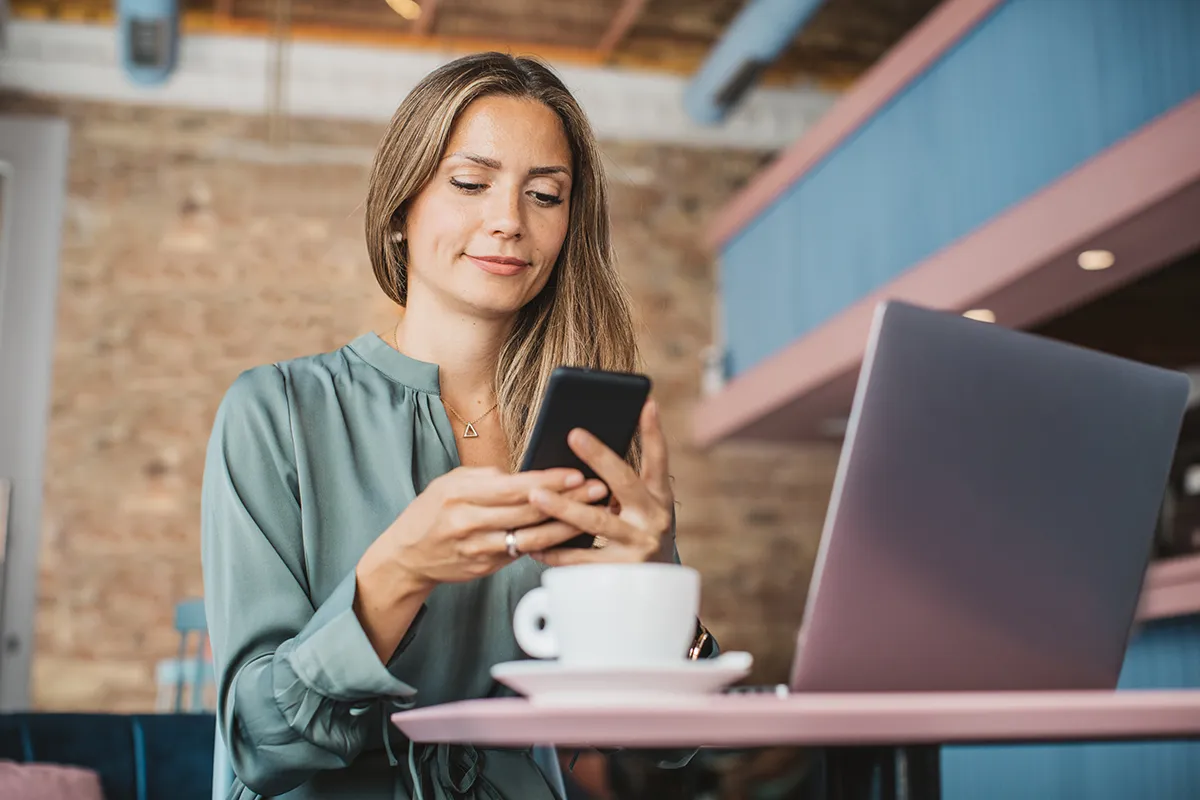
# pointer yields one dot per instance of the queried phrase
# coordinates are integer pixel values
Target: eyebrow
(492, 163)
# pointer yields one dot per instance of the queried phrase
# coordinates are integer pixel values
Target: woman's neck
(465, 348)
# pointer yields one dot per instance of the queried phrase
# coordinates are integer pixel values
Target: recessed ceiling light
(980, 314)
(1093, 260)
(405, 8)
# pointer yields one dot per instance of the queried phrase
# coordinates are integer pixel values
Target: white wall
(327, 80)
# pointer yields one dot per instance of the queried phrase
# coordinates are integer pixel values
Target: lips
(499, 265)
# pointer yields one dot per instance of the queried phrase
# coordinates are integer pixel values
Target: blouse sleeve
(294, 680)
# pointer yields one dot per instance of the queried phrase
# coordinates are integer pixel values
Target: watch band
(702, 643)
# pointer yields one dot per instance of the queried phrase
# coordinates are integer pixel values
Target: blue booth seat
(138, 756)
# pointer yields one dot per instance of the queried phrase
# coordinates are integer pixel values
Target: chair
(195, 677)
(190, 673)
(170, 674)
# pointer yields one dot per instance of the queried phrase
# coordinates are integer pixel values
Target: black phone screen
(606, 404)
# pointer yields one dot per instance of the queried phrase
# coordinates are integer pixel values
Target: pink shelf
(826, 719)
(1172, 589)
(1140, 197)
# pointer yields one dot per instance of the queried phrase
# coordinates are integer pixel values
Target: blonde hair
(583, 317)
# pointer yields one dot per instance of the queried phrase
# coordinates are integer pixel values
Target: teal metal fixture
(755, 38)
(148, 33)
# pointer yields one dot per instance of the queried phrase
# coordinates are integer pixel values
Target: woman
(359, 506)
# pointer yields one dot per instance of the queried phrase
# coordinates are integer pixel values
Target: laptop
(993, 512)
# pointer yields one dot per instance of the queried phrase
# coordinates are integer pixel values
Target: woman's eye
(471, 187)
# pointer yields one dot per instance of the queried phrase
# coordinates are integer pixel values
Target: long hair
(583, 316)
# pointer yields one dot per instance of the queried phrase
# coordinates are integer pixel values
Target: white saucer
(550, 682)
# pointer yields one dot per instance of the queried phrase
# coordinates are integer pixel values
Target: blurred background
(181, 189)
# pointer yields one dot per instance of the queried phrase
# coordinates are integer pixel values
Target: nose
(504, 214)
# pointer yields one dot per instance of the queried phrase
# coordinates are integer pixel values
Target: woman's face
(485, 232)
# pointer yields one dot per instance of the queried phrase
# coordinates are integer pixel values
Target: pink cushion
(48, 782)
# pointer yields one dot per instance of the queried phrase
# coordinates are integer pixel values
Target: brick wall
(192, 251)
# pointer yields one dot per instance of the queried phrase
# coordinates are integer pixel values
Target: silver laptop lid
(992, 514)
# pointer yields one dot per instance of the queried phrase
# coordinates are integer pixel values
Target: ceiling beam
(424, 26)
(623, 20)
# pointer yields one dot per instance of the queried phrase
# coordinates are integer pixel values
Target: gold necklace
(469, 432)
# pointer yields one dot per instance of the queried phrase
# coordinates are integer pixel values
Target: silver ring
(510, 545)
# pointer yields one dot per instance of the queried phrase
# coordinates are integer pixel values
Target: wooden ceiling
(840, 42)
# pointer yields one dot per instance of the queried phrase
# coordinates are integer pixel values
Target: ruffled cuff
(333, 656)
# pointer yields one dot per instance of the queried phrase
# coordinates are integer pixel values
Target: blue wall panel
(1035, 90)
(1165, 655)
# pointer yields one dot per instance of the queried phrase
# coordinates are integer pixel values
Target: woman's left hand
(638, 526)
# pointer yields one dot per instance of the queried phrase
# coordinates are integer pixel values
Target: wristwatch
(702, 643)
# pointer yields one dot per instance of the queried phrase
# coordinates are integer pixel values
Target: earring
(398, 236)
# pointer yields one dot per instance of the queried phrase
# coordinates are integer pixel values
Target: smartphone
(606, 404)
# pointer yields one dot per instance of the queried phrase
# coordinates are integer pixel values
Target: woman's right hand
(455, 530)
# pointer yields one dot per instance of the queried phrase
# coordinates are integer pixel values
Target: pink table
(864, 731)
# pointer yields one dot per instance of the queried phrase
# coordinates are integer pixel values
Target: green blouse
(308, 462)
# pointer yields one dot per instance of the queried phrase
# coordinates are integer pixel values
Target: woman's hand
(638, 525)
(454, 531)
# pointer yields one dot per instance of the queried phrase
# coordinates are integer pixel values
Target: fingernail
(579, 437)
(597, 491)
(539, 496)
(573, 479)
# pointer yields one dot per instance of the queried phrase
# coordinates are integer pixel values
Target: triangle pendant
(470, 432)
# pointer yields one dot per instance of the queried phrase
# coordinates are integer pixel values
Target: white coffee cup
(610, 615)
